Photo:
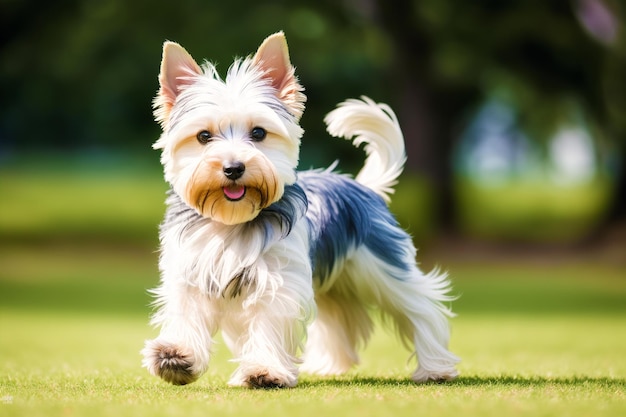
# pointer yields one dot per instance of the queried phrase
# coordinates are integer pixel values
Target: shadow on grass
(464, 381)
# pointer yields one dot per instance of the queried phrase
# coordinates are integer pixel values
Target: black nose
(234, 170)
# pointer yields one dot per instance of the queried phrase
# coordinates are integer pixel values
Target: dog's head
(229, 146)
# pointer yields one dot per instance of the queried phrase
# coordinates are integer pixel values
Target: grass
(64, 364)
(73, 322)
(536, 339)
(100, 202)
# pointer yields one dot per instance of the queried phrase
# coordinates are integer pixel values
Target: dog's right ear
(178, 69)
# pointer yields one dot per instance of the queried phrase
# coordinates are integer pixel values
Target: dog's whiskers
(202, 200)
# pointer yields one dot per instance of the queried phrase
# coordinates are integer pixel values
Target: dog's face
(230, 146)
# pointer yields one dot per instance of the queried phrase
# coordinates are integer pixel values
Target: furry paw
(265, 380)
(262, 379)
(422, 375)
(169, 362)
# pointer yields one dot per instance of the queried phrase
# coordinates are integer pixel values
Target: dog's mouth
(234, 192)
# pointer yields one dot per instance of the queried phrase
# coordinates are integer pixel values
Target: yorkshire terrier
(285, 263)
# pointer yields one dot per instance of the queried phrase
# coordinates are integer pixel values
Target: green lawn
(535, 338)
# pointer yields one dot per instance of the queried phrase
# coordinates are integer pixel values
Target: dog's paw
(422, 376)
(263, 379)
(169, 362)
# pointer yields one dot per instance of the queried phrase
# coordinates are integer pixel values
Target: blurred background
(514, 114)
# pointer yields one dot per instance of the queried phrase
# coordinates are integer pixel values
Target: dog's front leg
(180, 354)
(266, 346)
(267, 356)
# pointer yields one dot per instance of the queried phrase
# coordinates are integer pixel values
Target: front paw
(263, 379)
(422, 376)
(170, 362)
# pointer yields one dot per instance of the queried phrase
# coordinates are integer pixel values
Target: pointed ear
(177, 70)
(273, 58)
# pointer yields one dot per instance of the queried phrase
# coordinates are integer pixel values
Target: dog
(287, 264)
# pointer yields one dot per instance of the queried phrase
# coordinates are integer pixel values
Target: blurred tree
(449, 55)
(85, 71)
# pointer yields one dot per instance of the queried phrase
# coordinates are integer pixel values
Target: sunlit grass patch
(79, 203)
(532, 210)
(90, 364)
(78, 358)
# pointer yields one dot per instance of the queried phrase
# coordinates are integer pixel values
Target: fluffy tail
(376, 125)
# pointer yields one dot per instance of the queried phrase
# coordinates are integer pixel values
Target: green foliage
(86, 71)
(414, 205)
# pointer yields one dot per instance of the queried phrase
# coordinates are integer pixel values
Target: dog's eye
(204, 136)
(258, 134)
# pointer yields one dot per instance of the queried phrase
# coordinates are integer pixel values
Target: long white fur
(265, 325)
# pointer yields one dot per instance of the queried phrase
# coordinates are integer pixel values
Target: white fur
(264, 326)
(253, 280)
(413, 305)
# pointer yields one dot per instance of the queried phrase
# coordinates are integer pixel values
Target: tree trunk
(424, 114)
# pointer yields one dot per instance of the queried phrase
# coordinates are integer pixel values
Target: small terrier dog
(283, 262)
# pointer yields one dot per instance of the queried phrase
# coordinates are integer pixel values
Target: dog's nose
(233, 170)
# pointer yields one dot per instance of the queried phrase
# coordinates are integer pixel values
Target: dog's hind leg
(342, 326)
(414, 302)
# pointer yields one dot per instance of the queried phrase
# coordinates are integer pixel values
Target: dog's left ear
(273, 57)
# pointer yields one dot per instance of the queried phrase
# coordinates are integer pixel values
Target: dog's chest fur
(222, 260)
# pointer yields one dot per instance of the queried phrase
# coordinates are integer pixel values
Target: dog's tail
(376, 125)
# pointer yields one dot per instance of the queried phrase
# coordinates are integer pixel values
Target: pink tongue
(234, 192)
